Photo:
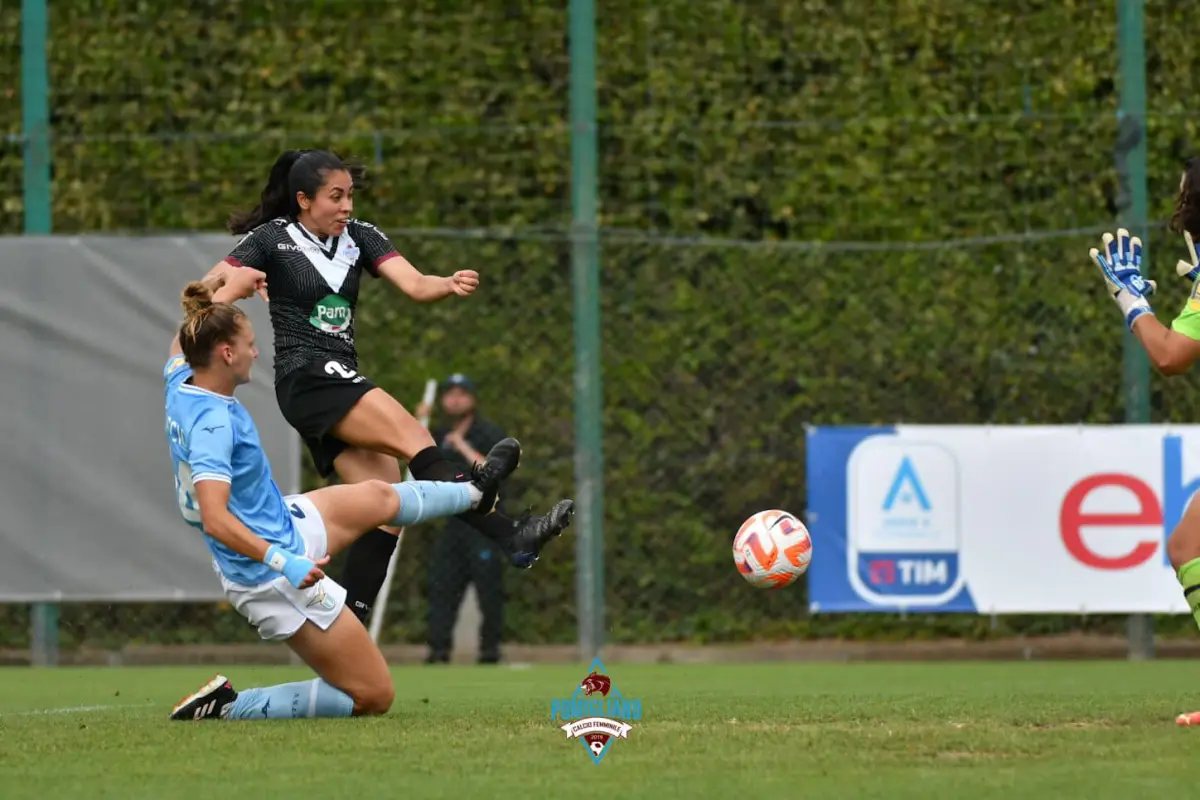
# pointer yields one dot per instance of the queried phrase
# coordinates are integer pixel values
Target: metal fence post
(585, 269)
(1132, 204)
(35, 119)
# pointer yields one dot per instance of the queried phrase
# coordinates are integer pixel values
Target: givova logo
(902, 527)
(332, 314)
(596, 713)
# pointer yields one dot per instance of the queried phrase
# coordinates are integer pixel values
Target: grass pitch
(1027, 730)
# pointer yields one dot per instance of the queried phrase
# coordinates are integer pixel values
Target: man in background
(460, 554)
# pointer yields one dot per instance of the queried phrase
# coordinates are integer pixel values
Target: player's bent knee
(1183, 545)
(384, 498)
(375, 699)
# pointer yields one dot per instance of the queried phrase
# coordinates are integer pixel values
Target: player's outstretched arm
(397, 271)
(220, 523)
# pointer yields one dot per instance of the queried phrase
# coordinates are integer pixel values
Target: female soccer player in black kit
(314, 254)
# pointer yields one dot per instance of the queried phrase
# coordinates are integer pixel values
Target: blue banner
(884, 516)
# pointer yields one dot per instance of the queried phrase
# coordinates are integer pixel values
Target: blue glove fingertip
(1106, 269)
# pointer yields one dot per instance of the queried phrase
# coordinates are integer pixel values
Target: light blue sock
(301, 700)
(422, 500)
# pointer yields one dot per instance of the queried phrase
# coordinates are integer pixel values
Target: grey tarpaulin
(87, 494)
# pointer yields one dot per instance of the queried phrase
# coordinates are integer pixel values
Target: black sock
(495, 525)
(366, 570)
(431, 465)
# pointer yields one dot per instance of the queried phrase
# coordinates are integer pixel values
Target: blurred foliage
(954, 161)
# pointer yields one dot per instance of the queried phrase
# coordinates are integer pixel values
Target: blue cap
(460, 381)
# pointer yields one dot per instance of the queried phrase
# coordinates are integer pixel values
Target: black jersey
(313, 286)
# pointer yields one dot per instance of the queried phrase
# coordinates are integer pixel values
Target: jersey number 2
(185, 493)
(334, 368)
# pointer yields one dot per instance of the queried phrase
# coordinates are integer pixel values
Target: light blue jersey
(212, 437)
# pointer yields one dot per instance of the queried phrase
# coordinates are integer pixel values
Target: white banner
(583, 727)
(1022, 519)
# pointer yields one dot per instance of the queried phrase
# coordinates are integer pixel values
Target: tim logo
(902, 521)
(596, 713)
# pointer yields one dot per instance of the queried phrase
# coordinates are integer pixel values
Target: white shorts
(276, 608)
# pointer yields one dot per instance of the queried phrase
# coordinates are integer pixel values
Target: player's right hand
(300, 571)
(1120, 262)
(1189, 269)
(314, 574)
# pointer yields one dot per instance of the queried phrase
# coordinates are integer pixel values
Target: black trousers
(461, 556)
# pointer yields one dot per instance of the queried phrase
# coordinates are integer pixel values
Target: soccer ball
(772, 549)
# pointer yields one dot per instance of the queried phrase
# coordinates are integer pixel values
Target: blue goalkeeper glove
(295, 568)
(1189, 269)
(1121, 264)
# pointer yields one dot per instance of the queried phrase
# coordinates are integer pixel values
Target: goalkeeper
(1172, 350)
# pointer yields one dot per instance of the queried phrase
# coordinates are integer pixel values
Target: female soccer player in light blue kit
(267, 549)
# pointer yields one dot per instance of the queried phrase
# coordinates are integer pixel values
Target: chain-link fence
(811, 213)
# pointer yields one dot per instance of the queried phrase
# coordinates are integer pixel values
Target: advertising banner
(1004, 520)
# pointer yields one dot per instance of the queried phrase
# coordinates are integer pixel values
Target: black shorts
(313, 399)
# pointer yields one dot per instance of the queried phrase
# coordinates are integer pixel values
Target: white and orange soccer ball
(772, 549)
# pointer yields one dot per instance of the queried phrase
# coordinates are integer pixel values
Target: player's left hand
(463, 282)
(1189, 269)
(1120, 263)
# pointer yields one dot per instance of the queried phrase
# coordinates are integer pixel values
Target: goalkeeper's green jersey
(1188, 321)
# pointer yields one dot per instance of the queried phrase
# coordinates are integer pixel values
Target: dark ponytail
(1186, 215)
(294, 171)
(275, 200)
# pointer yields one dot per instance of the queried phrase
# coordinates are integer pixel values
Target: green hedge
(773, 122)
